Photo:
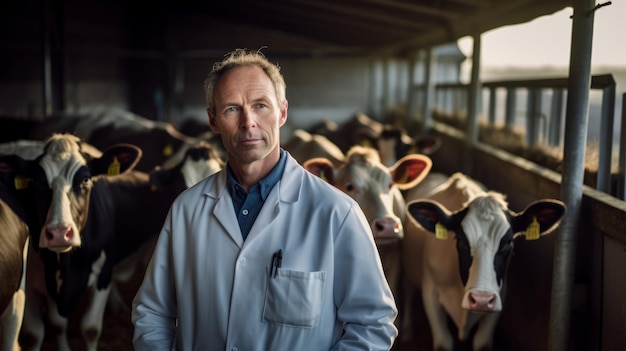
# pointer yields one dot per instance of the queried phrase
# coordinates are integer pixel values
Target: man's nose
(247, 118)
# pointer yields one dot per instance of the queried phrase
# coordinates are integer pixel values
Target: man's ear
(212, 123)
(283, 114)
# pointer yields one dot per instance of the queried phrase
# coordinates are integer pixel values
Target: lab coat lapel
(223, 210)
(286, 191)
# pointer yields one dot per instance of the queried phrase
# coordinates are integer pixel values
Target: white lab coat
(207, 289)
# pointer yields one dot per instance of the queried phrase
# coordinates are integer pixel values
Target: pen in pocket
(277, 259)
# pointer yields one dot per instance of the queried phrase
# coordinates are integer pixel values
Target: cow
(457, 245)
(376, 188)
(113, 212)
(107, 126)
(87, 209)
(392, 142)
(13, 252)
(304, 146)
(198, 162)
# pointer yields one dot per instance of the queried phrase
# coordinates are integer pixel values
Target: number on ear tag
(20, 183)
(532, 232)
(441, 232)
(114, 167)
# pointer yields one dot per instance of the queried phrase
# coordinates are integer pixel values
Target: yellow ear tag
(366, 143)
(441, 232)
(532, 232)
(412, 149)
(20, 182)
(168, 150)
(323, 176)
(404, 179)
(114, 167)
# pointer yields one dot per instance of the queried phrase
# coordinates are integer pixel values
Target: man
(262, 255)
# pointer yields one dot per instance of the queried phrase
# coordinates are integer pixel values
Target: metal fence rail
(544, 119)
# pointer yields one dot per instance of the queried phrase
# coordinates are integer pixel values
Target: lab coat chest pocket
(294, 298)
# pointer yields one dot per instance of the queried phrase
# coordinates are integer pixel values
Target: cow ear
(546, 214)
(410, 170)
(321, 167)
(425, 144)
(429, 213)
(116, 160)
(14, 171)
(161, 177)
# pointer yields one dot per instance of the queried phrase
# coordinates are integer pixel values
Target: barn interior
(339, 58)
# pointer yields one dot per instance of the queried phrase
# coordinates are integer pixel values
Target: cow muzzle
(482, 301)
(59, 238)
(386, 230)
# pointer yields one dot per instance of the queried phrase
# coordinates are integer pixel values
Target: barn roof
(286, 27)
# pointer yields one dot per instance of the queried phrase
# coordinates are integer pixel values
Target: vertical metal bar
(373, 92)
(606, 139)
(410, 91)
(492, 108)
(573, 173)
(474, 94)
(511, 102)
(556, 117)
(621, 183)
(47, 59)
(384, 105)
(533, 116)
(429, 89)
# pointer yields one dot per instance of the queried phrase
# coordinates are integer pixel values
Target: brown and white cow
(376, 188)
(392, 142)
(303, 146)
(13, 251)
(457, 246)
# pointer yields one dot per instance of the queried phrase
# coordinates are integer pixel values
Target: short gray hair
(244, 58)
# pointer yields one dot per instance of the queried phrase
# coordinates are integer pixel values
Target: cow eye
(349, 187)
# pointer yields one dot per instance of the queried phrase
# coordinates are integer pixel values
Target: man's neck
(249, 174)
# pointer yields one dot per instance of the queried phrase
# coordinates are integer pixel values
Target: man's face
(247, 114)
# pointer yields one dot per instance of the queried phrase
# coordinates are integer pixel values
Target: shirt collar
(266, 184)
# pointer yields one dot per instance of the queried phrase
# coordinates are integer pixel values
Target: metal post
(492, 108)
(511, 102)
(474, 94)
(556, 117)
(47, 59)
(573, 172)
(621, 183)
(429, 90)
(606, 139)
(411, 99)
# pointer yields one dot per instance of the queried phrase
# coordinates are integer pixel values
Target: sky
(546, 41)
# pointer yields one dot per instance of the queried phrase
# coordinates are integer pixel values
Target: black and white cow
(457, 246)
(96, 213)
(81, 202)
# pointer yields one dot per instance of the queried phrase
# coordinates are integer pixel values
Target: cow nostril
(69, 234)
(49, 235)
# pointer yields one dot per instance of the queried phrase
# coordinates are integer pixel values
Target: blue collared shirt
(248, 205)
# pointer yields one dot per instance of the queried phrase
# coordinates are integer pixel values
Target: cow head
(199, 162)
(393, 143)
(485, 231)
(63, 186)
(375, 187)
